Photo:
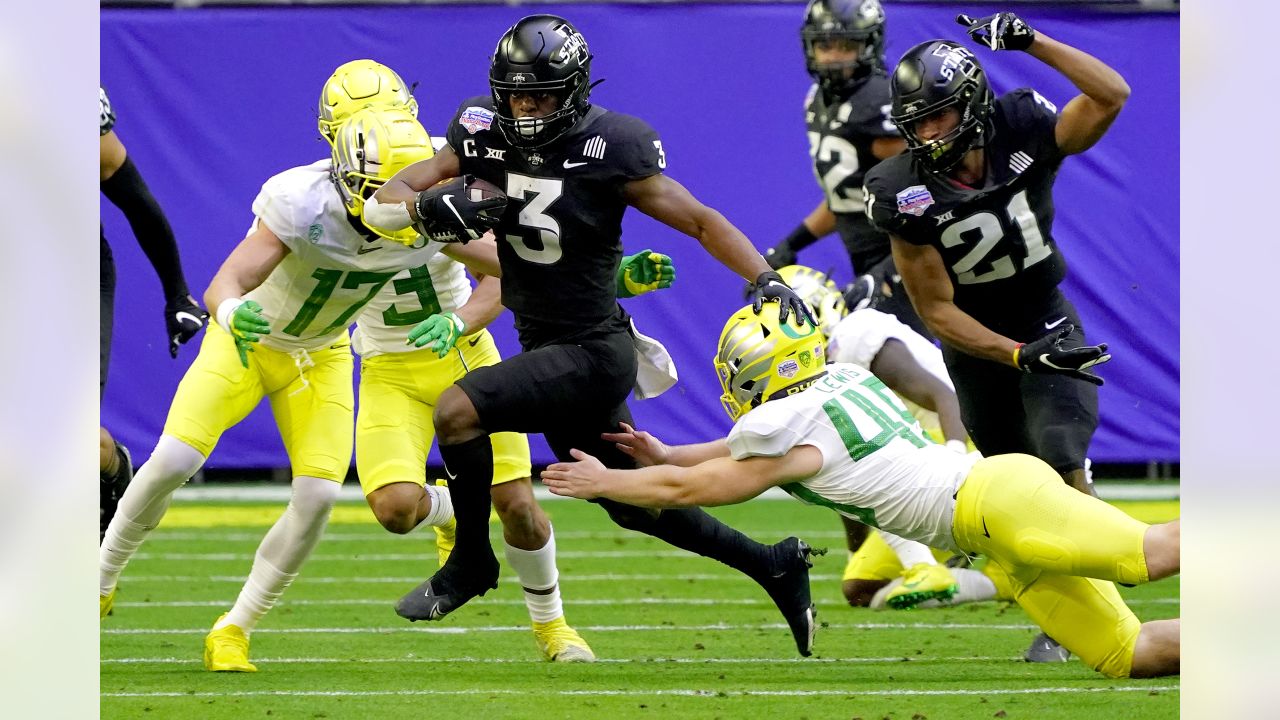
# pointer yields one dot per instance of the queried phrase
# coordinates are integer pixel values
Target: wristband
(388, 216)
(1017, 352)
(457, 323)
(800, 238)
(225, 309)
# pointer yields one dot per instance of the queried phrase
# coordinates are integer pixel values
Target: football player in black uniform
(569, 170)
(847, 116)
(970, 214)
(123, 185)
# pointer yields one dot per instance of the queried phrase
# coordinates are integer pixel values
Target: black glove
(784, 253)
(863, 293)
(1002, 31)
(183, 318)
(460, 209)
(769, 286)
(1047, 355)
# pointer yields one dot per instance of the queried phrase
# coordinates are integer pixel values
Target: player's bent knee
(455, 417)
(859, 593)
(396, 510)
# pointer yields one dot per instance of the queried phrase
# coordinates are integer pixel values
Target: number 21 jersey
(996, 240)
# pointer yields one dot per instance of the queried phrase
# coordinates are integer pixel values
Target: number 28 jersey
(877, 465)
(996, 241)
(559, 241)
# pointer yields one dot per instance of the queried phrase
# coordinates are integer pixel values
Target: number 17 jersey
(996, 240)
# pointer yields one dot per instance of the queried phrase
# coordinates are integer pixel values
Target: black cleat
(111, 489)
(445, 592)
(1045, 649)
(788, 587)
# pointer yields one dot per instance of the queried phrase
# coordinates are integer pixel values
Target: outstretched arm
(722, 481)
(646, 449)
(1103, 93)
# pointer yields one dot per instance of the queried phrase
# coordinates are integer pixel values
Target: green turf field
(678, 636)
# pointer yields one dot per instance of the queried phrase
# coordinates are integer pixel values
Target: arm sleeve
(128, 191)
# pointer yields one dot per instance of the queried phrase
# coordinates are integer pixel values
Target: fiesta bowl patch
(788, 368)
(475, 119)
(914, 200)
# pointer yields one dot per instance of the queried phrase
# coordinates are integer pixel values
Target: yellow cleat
(920, 583)
(445, 537)
(227, 650)
(105, 603)
(560, 643)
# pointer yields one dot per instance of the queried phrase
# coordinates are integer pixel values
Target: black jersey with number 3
(996, 241)
(841, 131)
(559, 242)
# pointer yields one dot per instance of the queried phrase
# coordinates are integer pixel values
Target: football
(459, 209)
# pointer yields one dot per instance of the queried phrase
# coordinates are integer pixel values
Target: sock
(537, 571)
(441, 506)
(283, 551)
(909, 552)
(470, 467)
(171, 464)
(694, 530)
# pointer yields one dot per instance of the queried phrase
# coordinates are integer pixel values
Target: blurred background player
(847, 117)
(570, 169)
(885, 569)
(835, 436)
(970, 213)
(122, 184)
(284, 299)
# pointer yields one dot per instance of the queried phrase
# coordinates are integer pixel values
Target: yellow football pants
(1061, 550)
(310, 393)
(398, 394)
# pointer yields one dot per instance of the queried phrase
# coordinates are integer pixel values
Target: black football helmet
(857, 20)
(541, 53)
(932, 76)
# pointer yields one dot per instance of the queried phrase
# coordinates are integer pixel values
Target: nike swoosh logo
(448, 201)
(473, 342)
(364, 250)
(450, 473)
(984, 527)
(1054, 324)
(184, 315)
(570, 165)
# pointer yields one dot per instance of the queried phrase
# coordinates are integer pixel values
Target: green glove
(243, 320)
(441, 332)
(644, 272)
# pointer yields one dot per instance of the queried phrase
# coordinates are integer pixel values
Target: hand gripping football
(459, 209)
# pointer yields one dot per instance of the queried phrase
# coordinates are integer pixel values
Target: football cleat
(560, 643)
(446, 591)
(922, 582)
(788, 586)
(105, 603)
(1045, 649)
(110, 490)
(226, 649)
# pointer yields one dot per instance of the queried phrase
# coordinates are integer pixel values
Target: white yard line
(1117, 490)
(450, 630)
(428, 553)
(414, 580)
(570, 602)
(539, 661)
(682, 692)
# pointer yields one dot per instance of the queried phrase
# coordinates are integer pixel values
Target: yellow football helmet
(370, 147)
(819, 292)
(760, 359)
(360, 84)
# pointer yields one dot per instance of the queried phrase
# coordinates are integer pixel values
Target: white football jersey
(332, 270)
(414, 295)
(859, 337)
(877, 465)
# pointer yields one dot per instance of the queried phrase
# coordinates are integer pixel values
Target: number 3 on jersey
(538, 194)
